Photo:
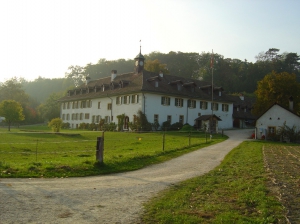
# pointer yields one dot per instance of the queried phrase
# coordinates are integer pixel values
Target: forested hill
(234, 75)
(41, 88)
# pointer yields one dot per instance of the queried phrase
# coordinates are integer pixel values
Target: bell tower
(139, 61)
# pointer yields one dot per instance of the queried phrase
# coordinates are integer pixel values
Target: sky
(42, 38)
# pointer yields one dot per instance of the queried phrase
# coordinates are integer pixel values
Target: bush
(187, 127)
(166, 125)
(55, 124)
(176, 126)
(65, 125)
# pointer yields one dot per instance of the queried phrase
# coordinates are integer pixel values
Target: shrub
(55, 124)
(166, 125)
(65, 125)
(187, 127)
(176, 126)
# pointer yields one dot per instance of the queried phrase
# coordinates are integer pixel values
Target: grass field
(245, 188)
(35, 151)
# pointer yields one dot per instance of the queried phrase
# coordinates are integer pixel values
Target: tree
(12, 111)
(50, 109)
(156, 66)
(55, 124)
(77, 73)
(13, 90)
(277, 87)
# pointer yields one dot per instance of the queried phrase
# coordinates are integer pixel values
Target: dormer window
(156, 83)
(179, 86)
(190, 85)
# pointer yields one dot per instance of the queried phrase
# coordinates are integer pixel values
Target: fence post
(100, 148)
(164, 141)
(36, 148)
(190, 139)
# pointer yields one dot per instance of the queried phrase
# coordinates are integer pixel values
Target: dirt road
(116, 198)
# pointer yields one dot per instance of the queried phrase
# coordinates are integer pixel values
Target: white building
(274, 118)
(160, 97)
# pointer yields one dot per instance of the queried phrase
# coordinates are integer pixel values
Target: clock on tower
(139, 62)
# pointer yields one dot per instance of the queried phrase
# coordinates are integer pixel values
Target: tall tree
(12, 111)
(77, 73)
(51, 108)
(13, 90)
(277, 88)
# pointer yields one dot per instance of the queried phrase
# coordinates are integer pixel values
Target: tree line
(273, 77)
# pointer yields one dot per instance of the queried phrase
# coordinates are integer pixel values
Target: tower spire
(140, 46)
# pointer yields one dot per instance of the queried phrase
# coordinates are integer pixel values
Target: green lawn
(234, 192)
(35, 151)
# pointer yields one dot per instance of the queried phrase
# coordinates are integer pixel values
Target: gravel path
(116, 198)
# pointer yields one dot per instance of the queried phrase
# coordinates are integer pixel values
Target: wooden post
(164, 141)
(100, 148)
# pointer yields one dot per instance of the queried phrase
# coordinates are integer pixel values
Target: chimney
(291, 103)
(113, 74)
(242, 96)
(161, 74)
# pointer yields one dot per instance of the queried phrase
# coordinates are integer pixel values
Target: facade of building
(275, 117)
(242, 111)
(160, 97)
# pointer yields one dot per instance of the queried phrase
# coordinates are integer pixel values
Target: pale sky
(43, 38)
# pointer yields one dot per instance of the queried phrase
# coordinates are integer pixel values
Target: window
(89, 103)
(156, 83)
(107, 119)
(83, 104)
(73, 116)
(68, 105)
(165, 101)
(93, 118)
(214, 106)
(169, 118)
(68, 117)
(179, 86)
(99, 105)
(87, 116)
(109, 106)
(97, 118)
(272, 130)
(203, 105)
(178, 102)
(126, 99)
(119, 100)
(224, 107)
(135, 99)
(81, 116)
(192, 103)
(181, 118)
(63, 116)
(75, 105)
(64, 105)
(76, 116)
(155, 118)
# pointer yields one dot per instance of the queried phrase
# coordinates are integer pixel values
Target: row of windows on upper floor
(179, 102)
(88, 103)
